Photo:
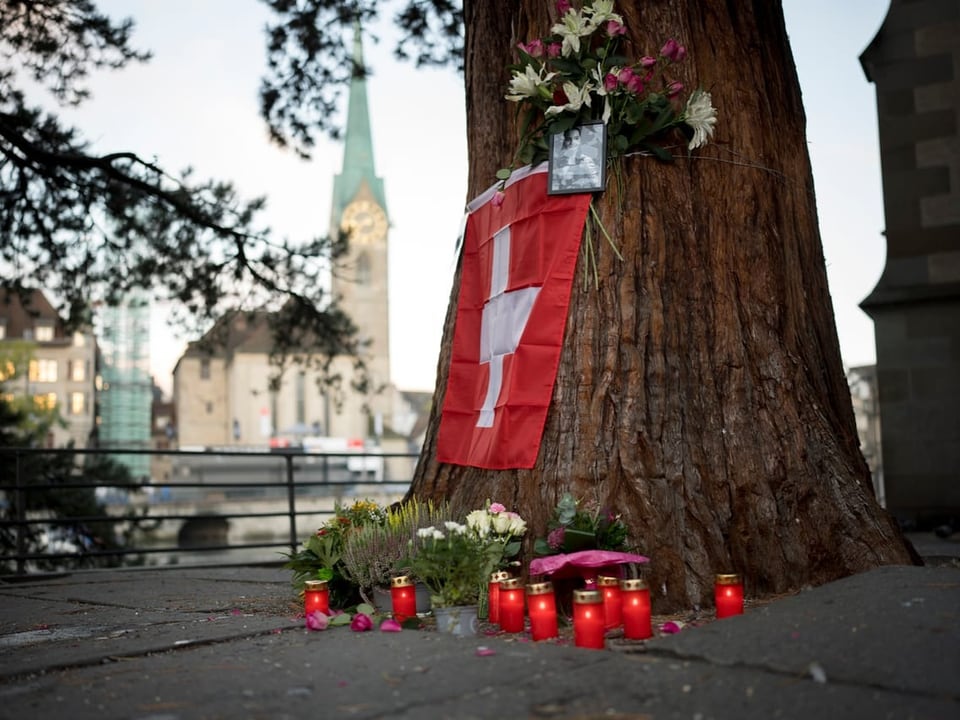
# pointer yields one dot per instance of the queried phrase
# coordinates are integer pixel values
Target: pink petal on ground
(671, 628)
(390, 625)
(484, 651)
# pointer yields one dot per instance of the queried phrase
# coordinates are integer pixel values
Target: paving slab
(878, 645)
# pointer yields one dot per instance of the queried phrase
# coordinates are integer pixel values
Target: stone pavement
(172, 644)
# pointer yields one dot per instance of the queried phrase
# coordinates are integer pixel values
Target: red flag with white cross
(519, 259)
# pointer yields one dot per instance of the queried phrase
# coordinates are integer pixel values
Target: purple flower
(555, 538)
(361, 623)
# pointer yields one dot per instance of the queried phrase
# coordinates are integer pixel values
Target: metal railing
(195, 515)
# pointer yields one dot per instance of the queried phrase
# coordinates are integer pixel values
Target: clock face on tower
(365, 220)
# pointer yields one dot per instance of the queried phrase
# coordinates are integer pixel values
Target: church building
(223, 398)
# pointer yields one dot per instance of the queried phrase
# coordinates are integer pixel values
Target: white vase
(459, 620)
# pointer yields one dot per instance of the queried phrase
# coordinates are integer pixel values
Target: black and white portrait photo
(577, 159)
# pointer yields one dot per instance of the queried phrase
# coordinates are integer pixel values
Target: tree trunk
(700, 391)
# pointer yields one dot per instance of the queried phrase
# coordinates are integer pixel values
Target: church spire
(358, 166)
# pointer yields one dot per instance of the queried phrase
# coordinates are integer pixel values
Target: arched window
(363, 269)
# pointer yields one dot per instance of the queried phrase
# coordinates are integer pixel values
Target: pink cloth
(584, 559)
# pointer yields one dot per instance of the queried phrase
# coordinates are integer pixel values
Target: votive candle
(728, 594)
(493, 595)
(588, 619)
(403, 597)
(316, 596)
(635, 606)
(511, 605)
(542, 607)
(610, 588)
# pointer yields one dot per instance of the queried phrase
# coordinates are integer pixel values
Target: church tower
(360, 282)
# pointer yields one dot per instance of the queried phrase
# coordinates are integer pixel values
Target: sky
(195, 104)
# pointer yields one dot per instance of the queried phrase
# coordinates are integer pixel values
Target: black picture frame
(577, 161)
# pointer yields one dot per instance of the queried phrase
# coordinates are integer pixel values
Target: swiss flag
(519, 259)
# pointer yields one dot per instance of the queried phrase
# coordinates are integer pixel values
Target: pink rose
(361, 623)
(674, 88)
(554, 50)
(614, 28)
(563, 6)
(316, 620)
(498, 197)
(534, 48)
(673, 51)
(647, 61)
(496, 508)
(390, 625)
(635, 85)
(625, 75)
(610, 82)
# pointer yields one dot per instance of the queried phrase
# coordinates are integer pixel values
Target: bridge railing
(224, 507)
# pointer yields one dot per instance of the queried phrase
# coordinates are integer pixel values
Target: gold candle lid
(499, 576)
(313, 585)
(540, 588)
(607, 581)
(633, 584)
(587, 597)
(510, 584)
(728, 579)
(401, 581)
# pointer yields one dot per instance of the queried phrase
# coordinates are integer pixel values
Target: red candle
(403, 597)
(728, 593)
(588, 619)
(493, 595)
(316, 596)
(635, 606)
(511, 605)
(542, 606)
(610, 587)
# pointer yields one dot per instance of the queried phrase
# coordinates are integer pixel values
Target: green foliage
(451, 562)
(581, 526)
(45, 478)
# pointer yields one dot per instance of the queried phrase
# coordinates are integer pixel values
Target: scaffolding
(127, 389)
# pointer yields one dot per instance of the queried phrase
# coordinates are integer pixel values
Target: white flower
(437, 535)
(528, 83)
(518, 525)
(455, 527)
(601, 12)
(701, 116)
(425, 532)
(501, 523)
(479, 522)
(571, 28)
(576, 98)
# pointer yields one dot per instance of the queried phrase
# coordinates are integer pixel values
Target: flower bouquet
(575, 526)
(450, 561)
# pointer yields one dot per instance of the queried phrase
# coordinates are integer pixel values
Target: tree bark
(700, 391)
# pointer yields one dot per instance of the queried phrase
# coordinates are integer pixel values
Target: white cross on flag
(519, 260)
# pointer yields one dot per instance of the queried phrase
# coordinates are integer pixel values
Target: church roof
(358, 166)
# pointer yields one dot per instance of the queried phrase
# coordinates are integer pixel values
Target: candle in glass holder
(728, 594)
(493, 595)
(316, 596)
(588, 619)
(542, 608)
(610, 588)
(635, 606)
(511, 605)
(403, 597)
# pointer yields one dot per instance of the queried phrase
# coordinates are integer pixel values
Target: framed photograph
(577, 160)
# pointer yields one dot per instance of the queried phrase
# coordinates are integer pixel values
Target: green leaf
(540, 547)
(504, 173)
(342, 619)
(366, 609)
